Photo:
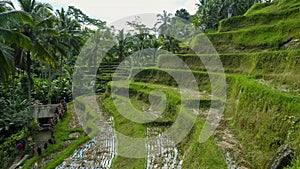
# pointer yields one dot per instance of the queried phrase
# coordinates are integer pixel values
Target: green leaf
(6, 60)
(12, 37)
(15, 17)
(42, 53)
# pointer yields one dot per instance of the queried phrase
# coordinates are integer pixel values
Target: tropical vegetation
(39, 48)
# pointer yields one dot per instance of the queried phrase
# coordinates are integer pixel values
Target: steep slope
(260, 55)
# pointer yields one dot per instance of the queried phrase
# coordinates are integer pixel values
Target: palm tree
(10, 37)
(123, 45)
(39, 33)
(157, 46)
(140, 38)
(98, 46)
(70, 38)
(164, 21)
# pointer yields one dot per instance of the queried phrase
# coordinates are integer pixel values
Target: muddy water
(161, 151)
(95, 154)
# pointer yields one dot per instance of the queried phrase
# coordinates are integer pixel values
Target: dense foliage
(39, 48)
(210, 12)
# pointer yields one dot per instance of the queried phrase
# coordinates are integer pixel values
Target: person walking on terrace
(230, 12)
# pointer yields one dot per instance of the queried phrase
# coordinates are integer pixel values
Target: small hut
(43, 113)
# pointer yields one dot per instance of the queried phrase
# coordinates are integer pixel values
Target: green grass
(258, 19)
(201, 155)
(279, 66)
(295, 163)
(210, 157)
(263, 14)
(141, 91)
(261, 118)
(276, 6)
(129, 128)
(256, 38)
(165, 75)
(66, 153)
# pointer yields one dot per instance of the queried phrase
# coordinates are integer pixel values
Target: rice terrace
(195, 84)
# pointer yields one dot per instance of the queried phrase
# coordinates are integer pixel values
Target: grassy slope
(267, 26)
(126, 127)
(264, 108)
(262, 14)
(271, 115)
(253, 39)
(279, 66)
(262, 119)
(196, 155)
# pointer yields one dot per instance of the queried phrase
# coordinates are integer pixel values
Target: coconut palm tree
(123, 45)
(39, 32)
(98, 46)
(163, 21)
(70, 38)
(10, 37)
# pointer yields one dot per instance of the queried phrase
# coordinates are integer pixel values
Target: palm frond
(14, 17)
(48, 32)
(46, 21)
(41, 53)
(6, 6)
(6, 60)
(17, 38)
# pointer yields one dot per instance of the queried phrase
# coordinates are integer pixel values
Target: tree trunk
(50, 85)
(121, 54)
(17, 55)
(13, 89)
(29, 76)
(171, 45)
(61, 70)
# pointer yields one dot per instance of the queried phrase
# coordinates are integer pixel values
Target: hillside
(260, 52)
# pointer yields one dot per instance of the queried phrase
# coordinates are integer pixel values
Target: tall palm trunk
(121, 54)
(61, 71)
(50, 85)
(171, 45)
(16, 63)
(29, 76)
(13, 88)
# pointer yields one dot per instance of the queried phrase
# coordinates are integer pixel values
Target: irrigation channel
(161, 150)
(162, 153)
(98, 153)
